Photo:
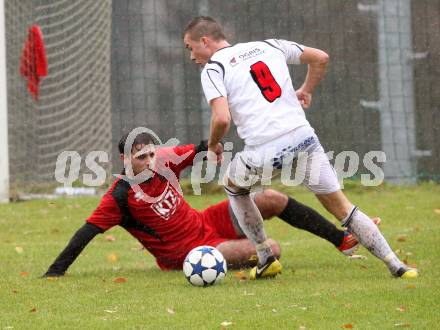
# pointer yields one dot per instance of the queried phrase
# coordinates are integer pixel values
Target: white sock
(372, 239)
(251, 222)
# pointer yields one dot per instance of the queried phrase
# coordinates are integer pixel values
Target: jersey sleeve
(212, 81)
(292, 50)
(177, 158)
(107, 214)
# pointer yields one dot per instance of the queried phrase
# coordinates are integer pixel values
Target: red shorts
(217, 228)
(218, 225)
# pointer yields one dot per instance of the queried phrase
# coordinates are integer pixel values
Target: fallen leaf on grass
(226, 324)
(274, 310)
(401, 309)
(109, 311)
(402, 238)
(347, 326)
(302, 328)
(357, 256)
(241, 275)
(171, 311)
(402, 325)
(120, 280)
(19, 249)
(112, 257)
(14, 291)
(437, 211)
(410, 286)
(24, 274)
(110, 238)
(406, 262)
(52, 278)
(33, 310)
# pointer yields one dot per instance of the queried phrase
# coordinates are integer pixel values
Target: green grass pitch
(318, 289)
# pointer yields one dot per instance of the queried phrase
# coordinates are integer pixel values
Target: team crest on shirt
(166, 206)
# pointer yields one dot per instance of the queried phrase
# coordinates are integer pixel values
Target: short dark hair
(141, 138)
(204, 26)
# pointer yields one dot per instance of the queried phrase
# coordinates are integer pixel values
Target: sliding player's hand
(52, 274)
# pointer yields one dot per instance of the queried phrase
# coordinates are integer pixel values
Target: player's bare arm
(220, 122)
(317, 63)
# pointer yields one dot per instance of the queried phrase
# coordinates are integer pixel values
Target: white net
(357, 107)
(74, 107)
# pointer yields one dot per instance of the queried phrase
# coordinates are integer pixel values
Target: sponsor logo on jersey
(246, 55)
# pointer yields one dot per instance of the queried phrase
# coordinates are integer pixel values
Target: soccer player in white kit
(251, 83)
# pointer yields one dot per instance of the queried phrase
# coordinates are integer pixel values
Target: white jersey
(255, 79)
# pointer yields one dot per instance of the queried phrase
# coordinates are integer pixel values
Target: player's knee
(231, 188)
(275, 197)
(276, 249)
(271, 203)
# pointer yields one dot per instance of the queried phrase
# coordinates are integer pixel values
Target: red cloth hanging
(33, 62)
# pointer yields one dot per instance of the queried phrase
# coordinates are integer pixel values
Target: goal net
(73, 111)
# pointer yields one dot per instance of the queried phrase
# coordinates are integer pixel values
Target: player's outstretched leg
(350, 243)
(365, 231)
(239, 179)
(371, 238)
(251, 222)
(273, 203)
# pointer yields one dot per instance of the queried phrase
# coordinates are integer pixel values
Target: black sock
(303, 217)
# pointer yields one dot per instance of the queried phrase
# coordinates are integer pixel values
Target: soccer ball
(204, 265)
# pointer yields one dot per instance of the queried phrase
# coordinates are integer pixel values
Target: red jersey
(169, 228)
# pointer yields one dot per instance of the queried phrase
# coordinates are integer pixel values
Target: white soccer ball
(204, 265)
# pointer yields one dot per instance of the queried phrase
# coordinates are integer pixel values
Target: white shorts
(297, 156)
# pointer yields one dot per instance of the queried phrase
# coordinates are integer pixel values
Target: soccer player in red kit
(156, 214)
